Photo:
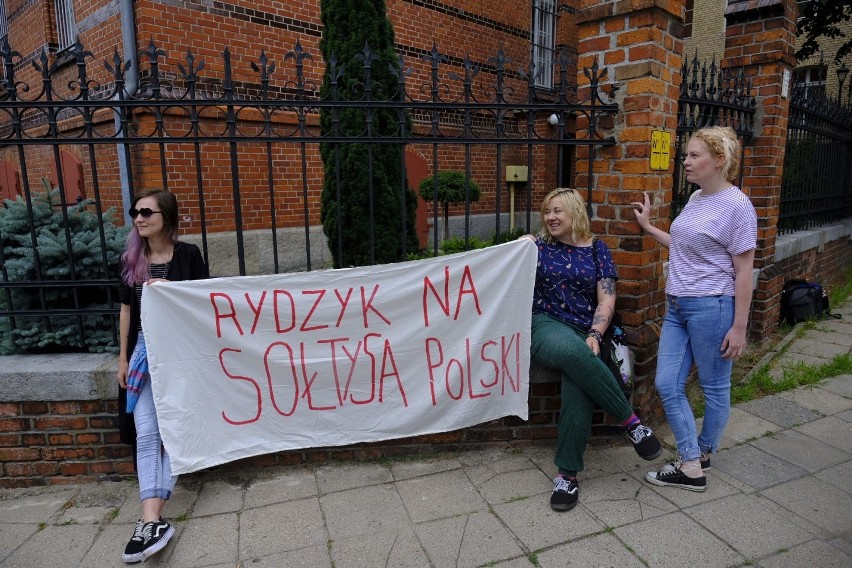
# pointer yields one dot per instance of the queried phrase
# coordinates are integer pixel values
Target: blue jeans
(693, 330)
(153, 467)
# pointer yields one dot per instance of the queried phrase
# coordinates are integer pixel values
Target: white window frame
(543, 41)
(813, 79)
(66, 24)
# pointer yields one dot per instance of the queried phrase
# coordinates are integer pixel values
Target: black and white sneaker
(135, 546)
(157, 536)
(704, 460)
(671, 475)
(644, 442)
(565, 494)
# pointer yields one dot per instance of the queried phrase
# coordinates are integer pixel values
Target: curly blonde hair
(573, 202)
(722, 141)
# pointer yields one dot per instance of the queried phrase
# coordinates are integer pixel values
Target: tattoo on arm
(602, 315)
(608, 286)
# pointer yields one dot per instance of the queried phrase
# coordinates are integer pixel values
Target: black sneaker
(565, 494)
(644, 442)
(704, 460)
(133, 550)
(157, 536)
(670, 474)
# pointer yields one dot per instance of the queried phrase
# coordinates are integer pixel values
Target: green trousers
(586, 381)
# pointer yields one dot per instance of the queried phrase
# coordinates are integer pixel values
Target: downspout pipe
(131, 85)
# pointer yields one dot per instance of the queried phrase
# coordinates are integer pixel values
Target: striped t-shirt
(705, 237)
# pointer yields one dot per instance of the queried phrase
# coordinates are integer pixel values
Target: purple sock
(631, 422)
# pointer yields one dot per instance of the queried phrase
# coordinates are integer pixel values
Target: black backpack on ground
(802, 300)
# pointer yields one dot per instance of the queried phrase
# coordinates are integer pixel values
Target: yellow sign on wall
(661, 142)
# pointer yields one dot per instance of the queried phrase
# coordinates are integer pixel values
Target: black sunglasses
(145, 212)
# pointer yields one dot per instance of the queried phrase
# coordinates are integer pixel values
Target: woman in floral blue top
(573, 304)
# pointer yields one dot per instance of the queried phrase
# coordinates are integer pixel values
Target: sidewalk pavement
(779, 495)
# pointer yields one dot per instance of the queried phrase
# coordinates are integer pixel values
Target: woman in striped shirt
(708, 293)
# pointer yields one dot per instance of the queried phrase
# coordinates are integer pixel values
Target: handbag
(615, 353)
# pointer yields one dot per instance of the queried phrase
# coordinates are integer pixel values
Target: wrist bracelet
(596, 334)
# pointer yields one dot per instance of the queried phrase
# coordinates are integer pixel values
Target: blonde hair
(722, 141)
(573, 202)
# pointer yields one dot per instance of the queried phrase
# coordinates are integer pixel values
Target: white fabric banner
(251, 365)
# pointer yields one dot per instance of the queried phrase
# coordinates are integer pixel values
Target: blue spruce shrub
(86, 259)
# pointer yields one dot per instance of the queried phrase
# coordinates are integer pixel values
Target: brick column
(761, 41)
(639, 42)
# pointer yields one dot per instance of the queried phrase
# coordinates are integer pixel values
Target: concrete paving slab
(282, 527)
(845, 416)
(460, 540)
(804, 451)
(206, 542)
(620, 499)
(479, 539)
(812, 554)
(387, 549)
(820, 503)
(841, 384)
(340, 476)
(756, 468)
(538, 526)
(815, 347)
(181, 504)
(41, 549)
(308, 557)
(82, 516)
(440, 495)
(839, 476)
(779, 411)
(34, 508)
(13, 535)
(830, 334)
(408, 469)
(662, 543)
(285, 485)
(830, 430)
(218, 497)
(742, 426)
(511, 486)
(107, 548)
(363, 511)
(601, 551)
(816, 399)
(753, 525)
(843, 542)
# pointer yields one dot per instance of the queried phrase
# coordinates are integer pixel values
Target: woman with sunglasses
(573, 304)
(153, 254)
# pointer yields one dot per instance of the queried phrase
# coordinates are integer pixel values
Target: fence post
(761, 41)
(639, 44)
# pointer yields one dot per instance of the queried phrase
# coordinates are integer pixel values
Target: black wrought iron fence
(709, 96)
(816, 188)
(241, 149)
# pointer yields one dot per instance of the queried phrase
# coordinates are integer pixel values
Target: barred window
(66, 26)
(811, 81)
(544, 41)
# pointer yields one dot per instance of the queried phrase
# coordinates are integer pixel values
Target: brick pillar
(762, 41)
(639, 42)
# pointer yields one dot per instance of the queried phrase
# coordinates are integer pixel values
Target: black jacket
(186, 264)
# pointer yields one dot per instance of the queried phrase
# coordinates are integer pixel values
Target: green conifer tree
(350, 28)
(53, 334)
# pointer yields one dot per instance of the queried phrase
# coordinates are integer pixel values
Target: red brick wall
(50, 443)
(60, 442)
